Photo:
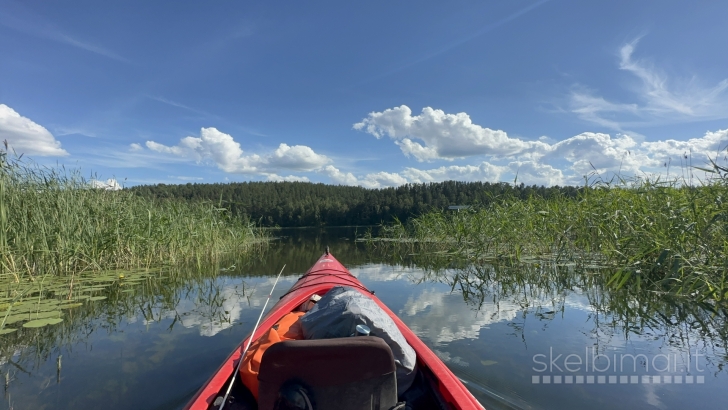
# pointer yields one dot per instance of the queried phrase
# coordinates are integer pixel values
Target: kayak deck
(443, 389)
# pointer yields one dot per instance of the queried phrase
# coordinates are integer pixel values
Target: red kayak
(444, 389)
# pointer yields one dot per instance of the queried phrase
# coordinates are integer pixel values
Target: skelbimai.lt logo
(591, 367)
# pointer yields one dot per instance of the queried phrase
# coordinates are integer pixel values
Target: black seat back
(355, 373)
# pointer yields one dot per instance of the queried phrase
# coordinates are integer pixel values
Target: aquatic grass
(52, 221)
(650, 233)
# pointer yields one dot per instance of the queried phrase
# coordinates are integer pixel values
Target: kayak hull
(326, 273)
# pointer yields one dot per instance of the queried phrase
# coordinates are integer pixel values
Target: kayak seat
(356, 373)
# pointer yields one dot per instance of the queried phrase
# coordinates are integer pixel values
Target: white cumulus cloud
(600, 151)
(110, 184)
(289, 178)
(534, 173)
(296, 158)
(484, 172)
(547, 161)
(382, 180)
(482, 153)
(338, 177)
(25, 136)
(706, 146)
(445, 136)
(221, 149)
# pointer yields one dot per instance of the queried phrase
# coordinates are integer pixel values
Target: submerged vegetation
(663, 236)
(53, 222)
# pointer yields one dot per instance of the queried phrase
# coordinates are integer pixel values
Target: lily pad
(34, 304)
(35, 309)
(43, 322)
(7, 330)
(31, 316)
(96, 298)
(70, 305)
(15, 318)
(43, 315)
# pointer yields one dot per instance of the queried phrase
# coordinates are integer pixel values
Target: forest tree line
(298, 204)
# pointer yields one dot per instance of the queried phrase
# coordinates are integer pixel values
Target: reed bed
(640, 233)
(52, 221)
(544, 288)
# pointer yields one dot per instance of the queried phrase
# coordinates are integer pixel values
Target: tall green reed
(649, 232)
(53, 222)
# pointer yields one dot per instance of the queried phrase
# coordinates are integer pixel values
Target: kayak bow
(326, 273)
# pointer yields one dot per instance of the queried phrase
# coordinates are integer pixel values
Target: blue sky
(373, 94)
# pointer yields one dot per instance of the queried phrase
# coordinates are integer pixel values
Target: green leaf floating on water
(488, 362)
(31, 316)
(7, 330)
(43, 315)
(96, 298)
(15, 318)
(70, 305)
(35, 309)
(43, 322)
(45, 302)
(32, 304)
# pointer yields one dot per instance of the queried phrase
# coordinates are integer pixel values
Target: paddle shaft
(250, 339)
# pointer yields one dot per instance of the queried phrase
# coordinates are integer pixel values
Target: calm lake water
(520, 338)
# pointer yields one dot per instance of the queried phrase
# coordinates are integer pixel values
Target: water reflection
(562, 309)
(548, 290)
(439, 320)
(152, 345)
